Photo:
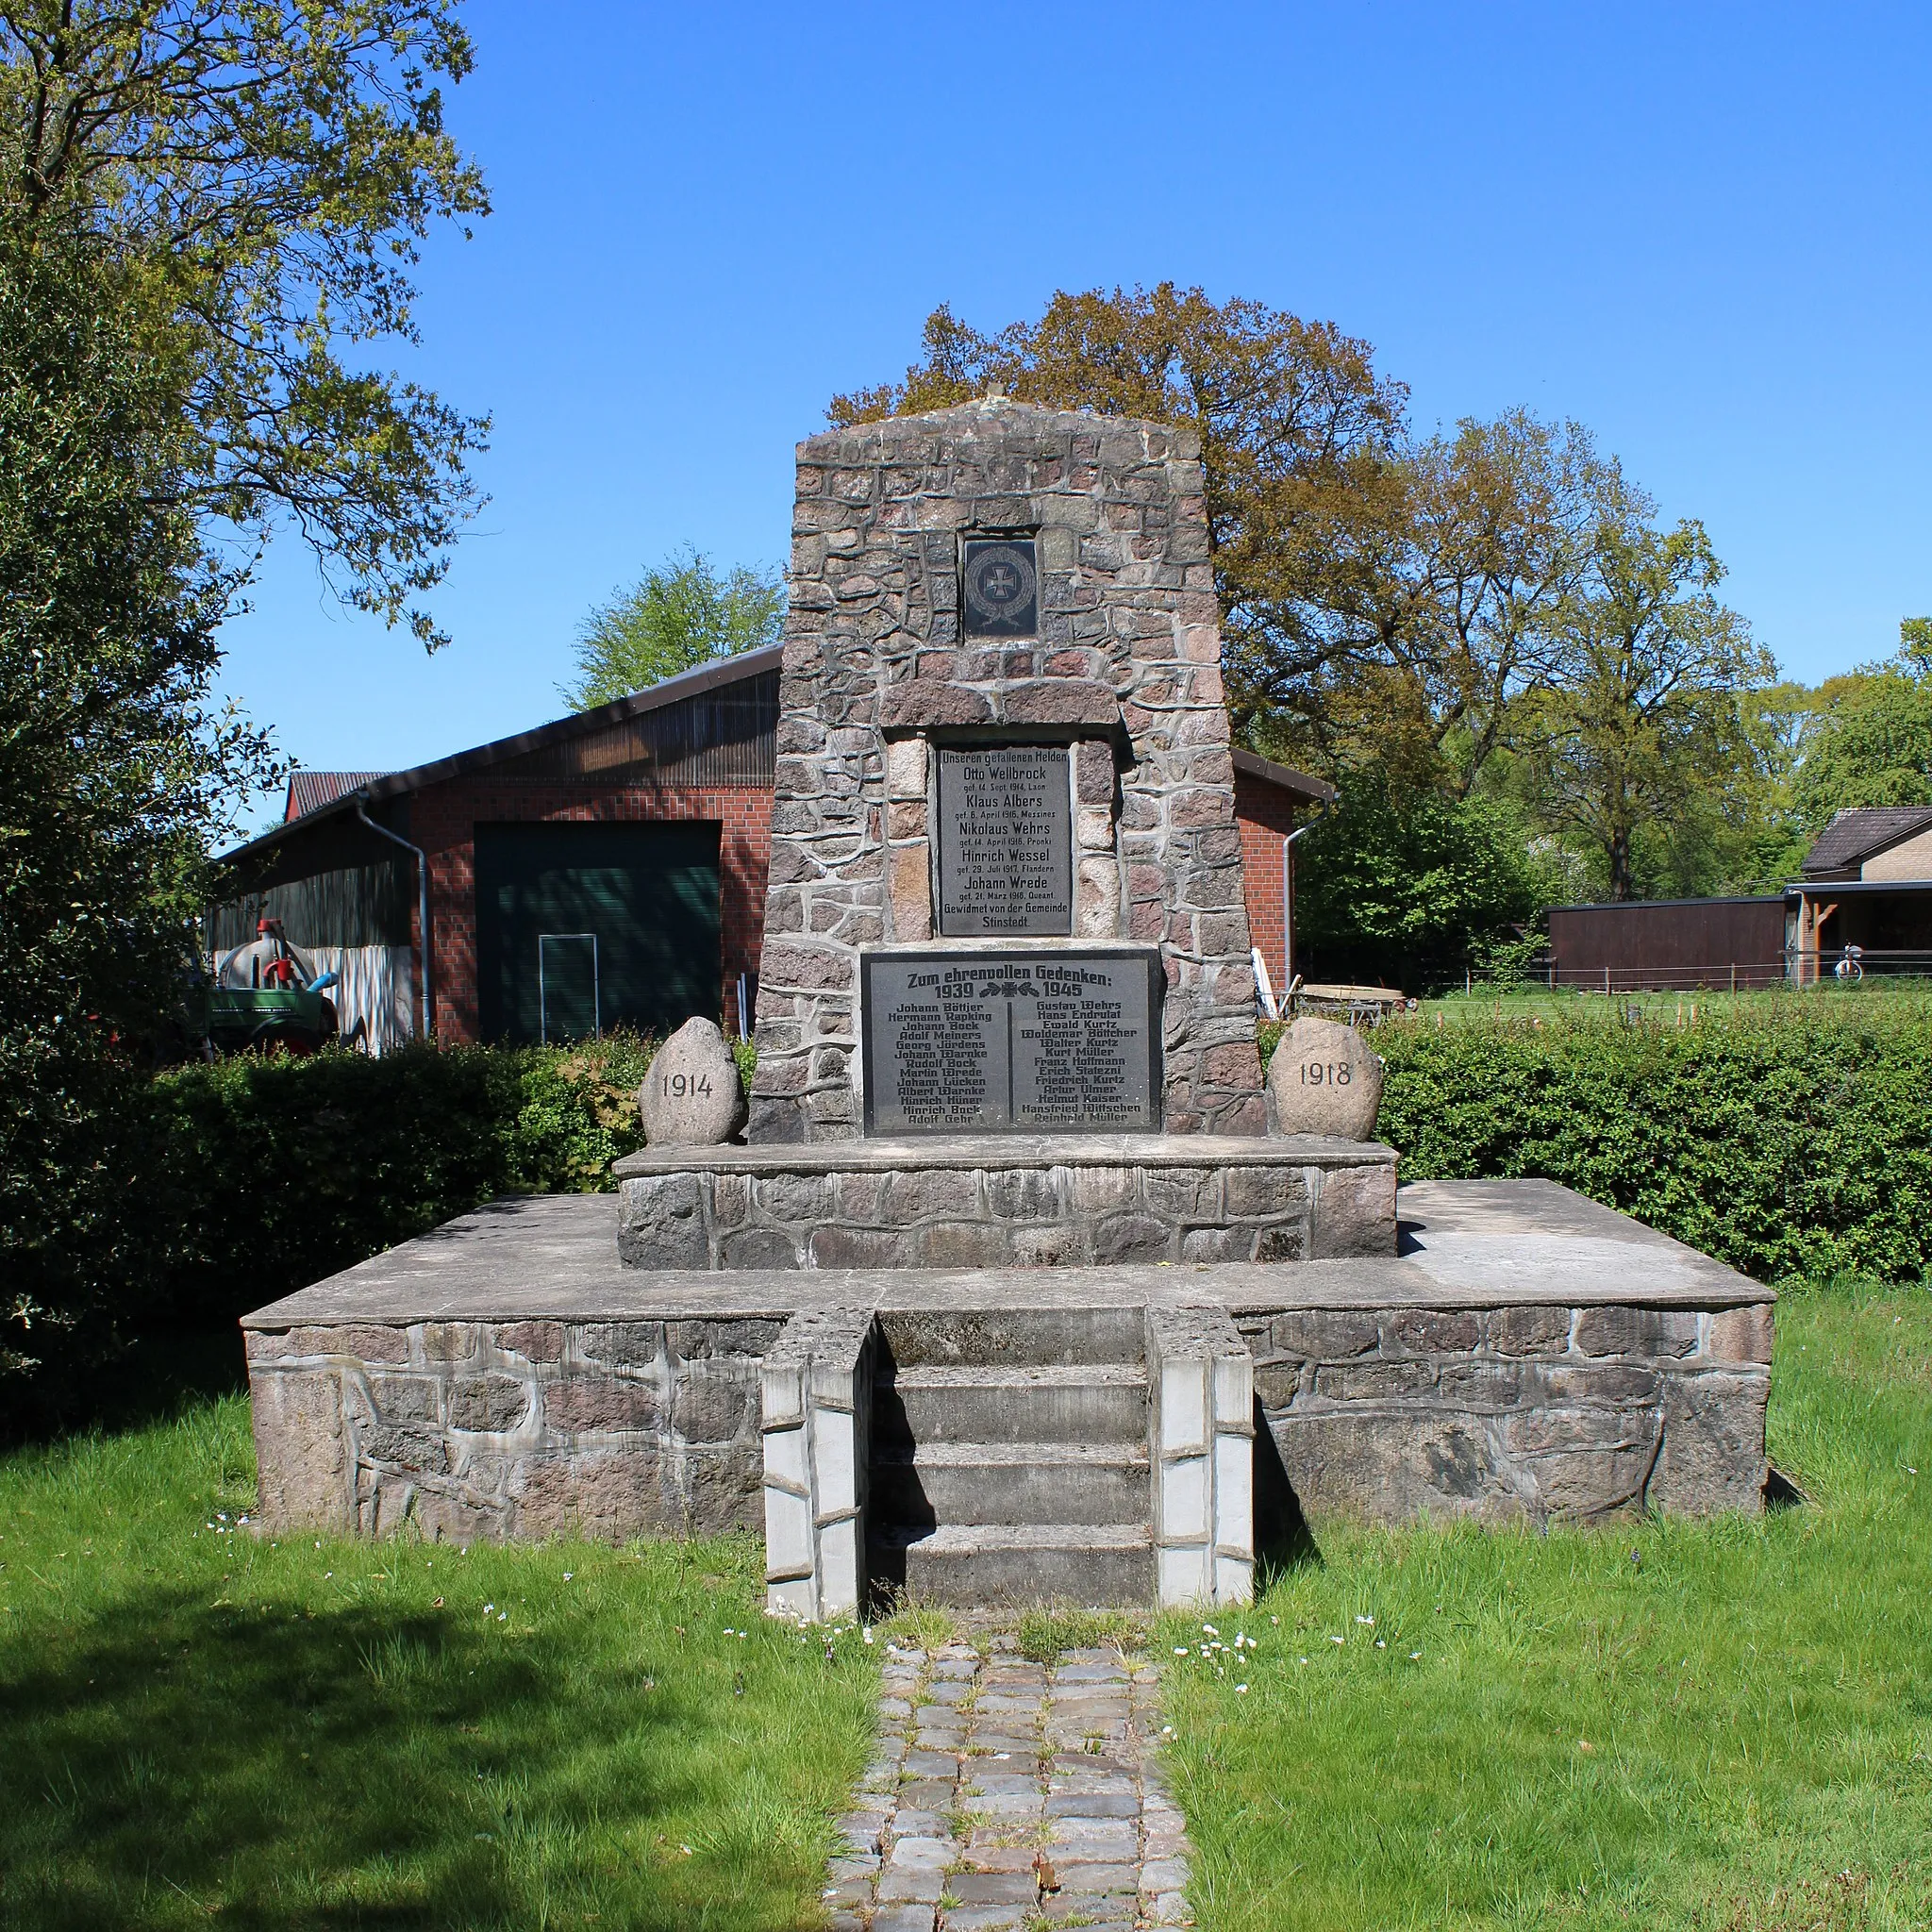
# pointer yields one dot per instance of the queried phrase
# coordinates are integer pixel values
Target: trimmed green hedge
(263, 1175)
(179, 1201)
(1785, 1138)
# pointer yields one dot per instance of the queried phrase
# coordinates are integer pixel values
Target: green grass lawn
(1901, 997)
(1732, 1732)
(1726, 1726)
(197, 1727)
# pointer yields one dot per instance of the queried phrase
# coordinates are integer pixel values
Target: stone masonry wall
(1544, 1412)
(993, 1216)
(1127, 668)
(496, 1429)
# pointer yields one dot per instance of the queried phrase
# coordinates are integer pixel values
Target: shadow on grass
(156, 1376)
(357, 1767)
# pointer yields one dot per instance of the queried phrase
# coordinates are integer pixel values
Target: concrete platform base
(1527, 1355)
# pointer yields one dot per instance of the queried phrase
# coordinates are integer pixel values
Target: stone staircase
(1091, 1447)
(1010, 1456)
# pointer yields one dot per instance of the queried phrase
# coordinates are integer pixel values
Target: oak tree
(262, 174)
(1647, 709)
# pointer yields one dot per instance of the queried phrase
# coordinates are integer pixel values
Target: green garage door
(581, 928)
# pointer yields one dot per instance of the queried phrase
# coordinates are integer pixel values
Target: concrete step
(1013, 1483)
(1035, 1336)
(976, 1565)
(1101, 1402)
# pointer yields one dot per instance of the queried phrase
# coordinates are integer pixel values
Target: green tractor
(266, 996)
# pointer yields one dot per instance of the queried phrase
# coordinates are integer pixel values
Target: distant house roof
(310, 790)
(1855, 836)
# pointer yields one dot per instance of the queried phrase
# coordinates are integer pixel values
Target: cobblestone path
(1006, 1794)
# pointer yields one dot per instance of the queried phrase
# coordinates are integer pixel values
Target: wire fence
(1795, 967)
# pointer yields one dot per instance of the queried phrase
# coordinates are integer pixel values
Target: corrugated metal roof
(310, 790)
(1854, 836)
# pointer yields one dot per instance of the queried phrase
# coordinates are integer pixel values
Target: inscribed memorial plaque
(1006, 841)
(1022, 1042)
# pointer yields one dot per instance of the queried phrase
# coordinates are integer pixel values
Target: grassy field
(1901, 998)
(1726, 1726)
(1722, 1728)
(201, 1728)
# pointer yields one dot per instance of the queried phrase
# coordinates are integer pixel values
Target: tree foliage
(208, 209)
(1644, 709)
(1416, 889)
(1489, 611)
(678, 614)
(1866, 738)
(1297, 432)
(262, 172)
(114, 769)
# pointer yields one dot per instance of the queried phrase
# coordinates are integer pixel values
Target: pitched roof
(310, 790)
(1253, 765)
(1854, 836)
(377, 785)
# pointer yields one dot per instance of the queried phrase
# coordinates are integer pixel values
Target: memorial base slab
(1140, 1433)
(1006, 1201)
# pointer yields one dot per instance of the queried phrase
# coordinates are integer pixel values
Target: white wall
(375, 993)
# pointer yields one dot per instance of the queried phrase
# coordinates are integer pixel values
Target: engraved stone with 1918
(1325, 1078)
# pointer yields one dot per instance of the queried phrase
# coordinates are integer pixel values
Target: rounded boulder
(1325, 1078)
(692, 1097)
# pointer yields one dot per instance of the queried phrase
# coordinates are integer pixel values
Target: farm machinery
(266, 995)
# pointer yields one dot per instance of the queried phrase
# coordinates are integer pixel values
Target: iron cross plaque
(1001, 581)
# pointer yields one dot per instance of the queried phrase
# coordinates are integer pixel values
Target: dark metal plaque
(1015, 1043)
(1000, 582)
(1006, 841)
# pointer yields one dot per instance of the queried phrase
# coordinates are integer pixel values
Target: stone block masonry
(1124, 670)
(1006, 1201)
(521, 1428)
(1534, 1410)
(1532, 1356)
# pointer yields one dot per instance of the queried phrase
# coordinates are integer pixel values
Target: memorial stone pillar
(1005, 888)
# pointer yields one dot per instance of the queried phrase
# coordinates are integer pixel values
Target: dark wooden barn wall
(718, 738)
(1667, 943)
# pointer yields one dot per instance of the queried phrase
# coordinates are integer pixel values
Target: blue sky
(1701, 230)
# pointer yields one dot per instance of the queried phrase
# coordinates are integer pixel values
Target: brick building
(605, 869)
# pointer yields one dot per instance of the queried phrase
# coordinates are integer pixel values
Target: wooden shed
(1659, 945)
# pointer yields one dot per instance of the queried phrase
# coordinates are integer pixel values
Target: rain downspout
(422, 896)
(1288, 902)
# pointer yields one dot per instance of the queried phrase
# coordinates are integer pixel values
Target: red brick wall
(1265, 815)
(444, 818)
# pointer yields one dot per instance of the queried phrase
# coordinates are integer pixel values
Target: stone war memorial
(1018, 1281)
